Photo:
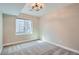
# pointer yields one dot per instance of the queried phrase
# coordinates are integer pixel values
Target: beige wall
(1, 32)
(9, 24)
(62, 26)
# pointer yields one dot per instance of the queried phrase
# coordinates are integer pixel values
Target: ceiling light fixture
(37, 6)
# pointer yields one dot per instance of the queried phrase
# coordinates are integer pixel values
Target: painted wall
(1, 32)
(62, 26)
(9, 24)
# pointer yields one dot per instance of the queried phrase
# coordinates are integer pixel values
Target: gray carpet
(35, 48)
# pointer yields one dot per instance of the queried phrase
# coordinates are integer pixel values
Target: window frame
(24, 33)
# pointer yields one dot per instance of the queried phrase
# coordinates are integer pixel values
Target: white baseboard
(12, 43)
(67, 48)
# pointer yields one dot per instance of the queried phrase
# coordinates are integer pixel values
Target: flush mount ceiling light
(37, 6)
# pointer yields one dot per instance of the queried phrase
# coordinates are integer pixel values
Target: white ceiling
(11, 8)
(48, 7)
(17, 8)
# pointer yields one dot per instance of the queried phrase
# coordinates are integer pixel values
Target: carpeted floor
(35, 48)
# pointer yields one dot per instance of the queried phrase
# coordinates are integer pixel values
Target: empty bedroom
(39, 28)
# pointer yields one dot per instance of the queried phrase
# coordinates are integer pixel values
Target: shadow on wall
(61, 26)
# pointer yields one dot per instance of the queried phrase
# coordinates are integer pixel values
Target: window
(23, 26)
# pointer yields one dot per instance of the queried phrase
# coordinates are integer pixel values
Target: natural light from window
(23, 27)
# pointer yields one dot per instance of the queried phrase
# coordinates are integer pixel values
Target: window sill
(24, 34)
